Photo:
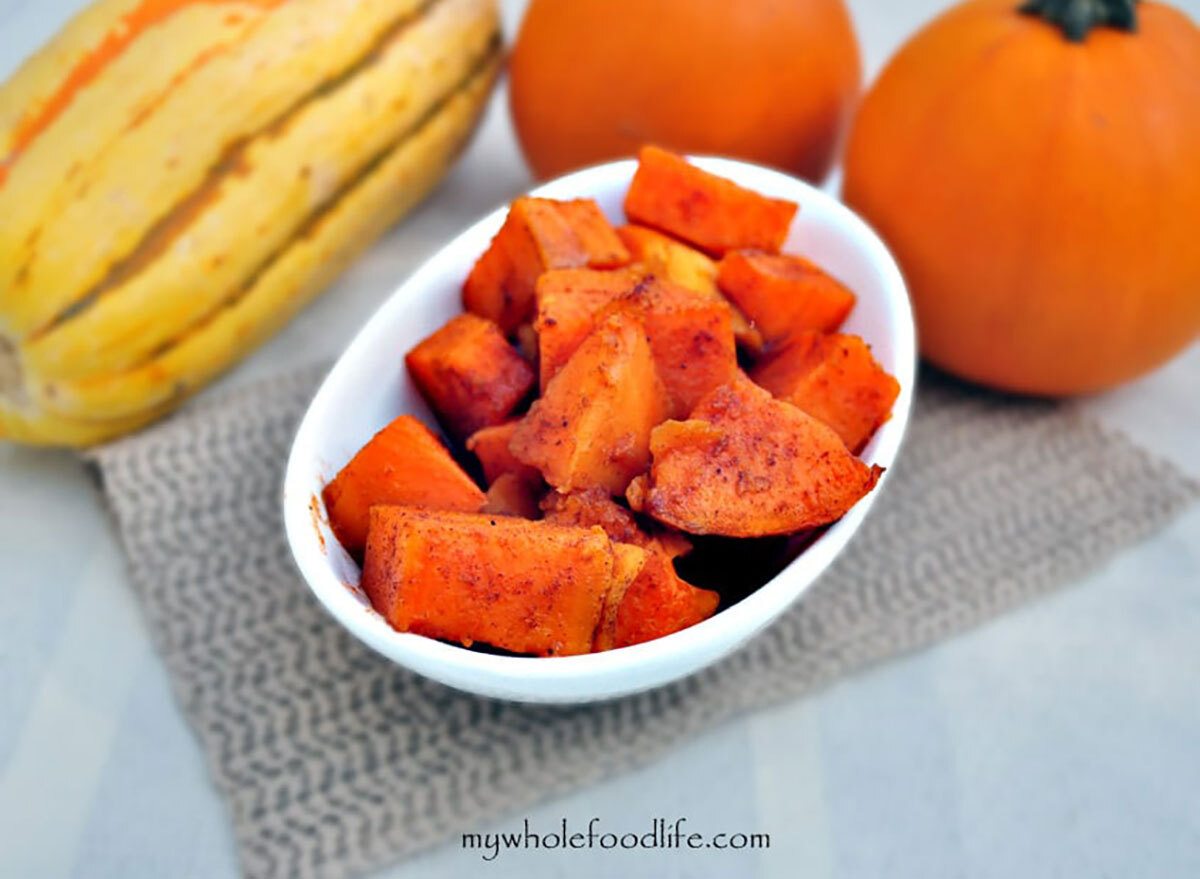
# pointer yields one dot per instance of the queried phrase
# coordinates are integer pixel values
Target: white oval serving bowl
(368, 387)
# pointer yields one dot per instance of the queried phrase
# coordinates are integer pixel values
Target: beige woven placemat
(334, 761)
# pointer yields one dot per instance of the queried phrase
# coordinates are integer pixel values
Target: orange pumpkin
(770, 82)
(1036, 171)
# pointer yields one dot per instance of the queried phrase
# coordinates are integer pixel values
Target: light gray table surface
(1060, 741)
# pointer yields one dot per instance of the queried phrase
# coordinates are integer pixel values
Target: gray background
(1059, 741)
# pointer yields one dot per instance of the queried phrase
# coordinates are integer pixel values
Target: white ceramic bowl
(369, 386)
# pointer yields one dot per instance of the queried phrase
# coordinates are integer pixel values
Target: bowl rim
(597, 676)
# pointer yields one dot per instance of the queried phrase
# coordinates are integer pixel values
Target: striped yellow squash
(179, 177)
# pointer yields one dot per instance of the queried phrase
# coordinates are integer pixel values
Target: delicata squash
(179, 177)
(623, 476)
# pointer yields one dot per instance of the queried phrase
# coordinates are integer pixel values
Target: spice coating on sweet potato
(490, 446)
(469, 374)
(592, 426)
(690, 337)
(784, 295)
(661, 255)
(539, 235)
(523, 586)
(703, 209)
(748, 465)
(567, 303)
(835, 379)
(402, 464)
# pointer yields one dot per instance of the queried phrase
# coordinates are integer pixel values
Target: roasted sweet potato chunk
(528, 587)
(567, 303)
(593, 507)
(703, 209)
(628, 563)
(748, 465)
(659, 603)
(833, 378)
(469, 374)
(592, 426)
(510, 495)
(402, 464)
(690, 336)
(784, 295)
(661, 255)
(490, 446)
(539, 234)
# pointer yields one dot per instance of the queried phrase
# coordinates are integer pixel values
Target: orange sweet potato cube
(539, 235)
(628, 563)
(470, 374)
(833, 378)
(402, 464)
(661, 255)
(490, 446)
(592, 426)
(594, 507)
(660, 603)
(528, 587)
(748, 465)
(567, 302)
(703, 209)
(690, 337)
(510, 495)
(784, 295)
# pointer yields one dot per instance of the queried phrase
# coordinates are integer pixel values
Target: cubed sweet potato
(567, 303)
(833, 378)
(711, 212)
(659, 603)
(661, 255)
(402, 464)
(470, 374)
(598, 240)
(490, 446)
(690, 336)
(748, 465)
(628, 563)
(784, 295)
(528, 587)
(510, 495)
(593, 507)
(539, 234)
(592, 426)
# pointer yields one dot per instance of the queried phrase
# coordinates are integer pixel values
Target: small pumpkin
(1036, 171)
(772, 82)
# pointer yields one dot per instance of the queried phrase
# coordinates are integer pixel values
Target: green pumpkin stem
(1076, 18)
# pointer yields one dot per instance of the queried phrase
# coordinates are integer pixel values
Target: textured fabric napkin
(335, 761)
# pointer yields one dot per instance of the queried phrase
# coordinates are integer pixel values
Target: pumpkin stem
(1076, 18)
